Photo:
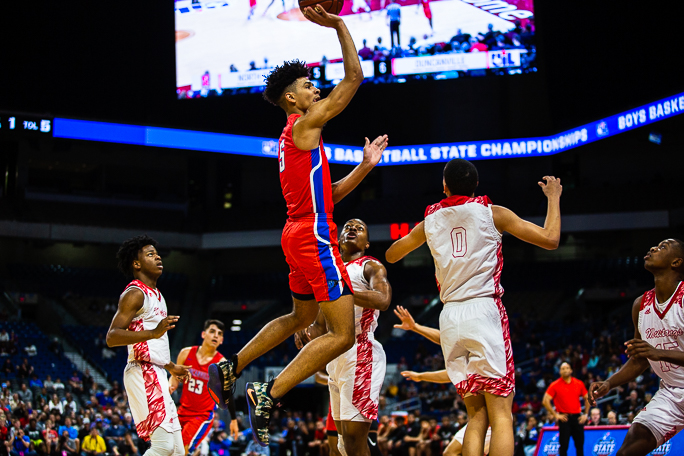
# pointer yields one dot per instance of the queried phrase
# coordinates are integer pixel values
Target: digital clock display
(14, 124)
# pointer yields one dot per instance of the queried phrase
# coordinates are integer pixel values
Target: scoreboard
(25, 125)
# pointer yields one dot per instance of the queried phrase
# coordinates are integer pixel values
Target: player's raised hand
(407, 321)
(319, 16)
(551, 186)
(598, 390)
(372, 151)
(413, 376)
(164, 325)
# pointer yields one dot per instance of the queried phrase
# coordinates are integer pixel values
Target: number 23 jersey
(195, 399)
(466, 248)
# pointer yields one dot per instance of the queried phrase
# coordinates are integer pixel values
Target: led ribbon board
(401, 155)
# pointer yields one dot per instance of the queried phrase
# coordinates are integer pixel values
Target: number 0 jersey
(466, 248)
(304, 177)
(195, 399)
(662, 325)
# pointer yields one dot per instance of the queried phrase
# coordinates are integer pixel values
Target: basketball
(331, 6)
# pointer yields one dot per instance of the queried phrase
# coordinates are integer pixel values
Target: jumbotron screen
(227, 47)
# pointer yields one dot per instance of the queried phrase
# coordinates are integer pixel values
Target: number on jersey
(667, 367)
(281, 156)
(459, 245)
(196, 386)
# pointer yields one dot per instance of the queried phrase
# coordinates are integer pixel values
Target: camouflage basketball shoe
(222, 378)
(261, 405)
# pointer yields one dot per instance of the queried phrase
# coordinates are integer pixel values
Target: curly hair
(283, 77)
(128, 252)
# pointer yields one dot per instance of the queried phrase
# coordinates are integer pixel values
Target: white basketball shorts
(477, 348)
(147, 386)
(664, 415)
(355, 381)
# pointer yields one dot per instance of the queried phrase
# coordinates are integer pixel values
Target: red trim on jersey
(197, 402)
(330, 422)
(155, 403)
(364, 369)
(649, 300)
(457, 200)
(141, 351)
(361, 260)
(144, 288)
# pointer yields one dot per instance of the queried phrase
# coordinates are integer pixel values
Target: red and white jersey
(304, 177)
(662, 325)
(366, 320)
(155, 351)
(195, 399)
(466, 248)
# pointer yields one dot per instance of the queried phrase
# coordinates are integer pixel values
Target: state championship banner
(457, 62)
(601, 441)
(399, 155)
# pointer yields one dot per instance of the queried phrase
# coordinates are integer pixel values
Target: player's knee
(160, 444)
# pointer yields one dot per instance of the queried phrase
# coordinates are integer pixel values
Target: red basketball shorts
(312, 252)
(195, 429)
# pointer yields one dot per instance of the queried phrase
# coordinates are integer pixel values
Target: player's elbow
(391, 256)
(552, 243)
(109, 339)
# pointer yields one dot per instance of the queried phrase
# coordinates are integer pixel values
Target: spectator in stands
(56, 347)
(31, 350)
(632, 404)
(20, 445)
(70, 402)
(489, 38)
(24, 370)
(56, 404)
(526, 441)
(527, 36)
(68, 445)
(58, 385)
(49, 384)
(594, 417)
(93, 444)
(76, 384)
(476, 46)
(459, 38)
(8, 368)
(108, 353)
(88, 380)
(396, 436)
(365, 52)
(115, 435)
(5, 393)
(500, 44)
(69, 428)
(35, 382)
(25, 394)
(35, 436)
(611, 418)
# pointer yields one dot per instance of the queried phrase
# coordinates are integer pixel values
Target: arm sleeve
(231, 408)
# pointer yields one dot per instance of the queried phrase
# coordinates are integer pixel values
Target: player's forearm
(352, 65)
(628, 372)
(435, 377)
(344, 186)
(671, 356)
(552, 224)
(117, 337)
(431, 334)
(372, 299)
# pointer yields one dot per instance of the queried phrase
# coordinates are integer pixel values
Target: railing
(407, 405)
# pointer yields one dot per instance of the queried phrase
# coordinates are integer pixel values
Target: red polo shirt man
(565, 393)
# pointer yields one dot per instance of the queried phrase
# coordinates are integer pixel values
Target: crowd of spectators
(46, 417)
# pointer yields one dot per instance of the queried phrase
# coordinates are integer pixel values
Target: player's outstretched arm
(372, 153)
(547, 237)
(431, 377)
(129, 305)
(321, 112)
(409, 324)
(634, 366)
(380, 295)
(407, 244)
(173, 381)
